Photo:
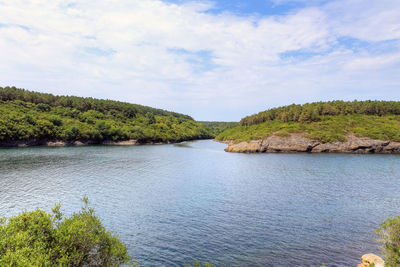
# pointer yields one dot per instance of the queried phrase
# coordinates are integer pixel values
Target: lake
(172, 204)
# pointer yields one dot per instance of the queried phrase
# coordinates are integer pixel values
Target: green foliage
(40, 239)
(43, 107)
(326, 122)
(389, 234)
(198, 264)
(151, 118)
(313, 111)
(283, 133)
(26, 115)
(45, 102)
(217, 127)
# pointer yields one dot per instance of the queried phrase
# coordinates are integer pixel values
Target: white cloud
(179, 57)
(366, 20)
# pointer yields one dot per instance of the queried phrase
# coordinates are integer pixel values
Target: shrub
(198, 264)
(40, 239)
(389, 234)
(43, 107)
(56, 120)
(283, 133)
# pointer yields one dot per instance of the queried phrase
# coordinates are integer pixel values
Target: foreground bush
(198, 264)
(389, 234)
(40, 239)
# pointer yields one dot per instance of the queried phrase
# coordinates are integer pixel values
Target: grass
(327, 129)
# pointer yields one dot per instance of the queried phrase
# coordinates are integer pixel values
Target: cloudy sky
(213, 60)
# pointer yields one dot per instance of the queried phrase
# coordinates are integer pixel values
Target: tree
(198, 264)
(28, 116)
(151, 118)
(37, 238)
(389, 234)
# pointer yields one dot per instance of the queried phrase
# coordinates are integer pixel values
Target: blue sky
(213, 60)
(257, 7)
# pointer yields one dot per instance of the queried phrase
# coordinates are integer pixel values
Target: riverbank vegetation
(389, 234)
(27, 115)
(323, 121)
(38, 238)
(217, 127)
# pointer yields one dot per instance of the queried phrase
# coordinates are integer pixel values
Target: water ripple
(176, 203)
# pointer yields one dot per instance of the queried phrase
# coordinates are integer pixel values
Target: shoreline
(60, 143)
(299, 143)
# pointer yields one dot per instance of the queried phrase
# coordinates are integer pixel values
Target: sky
(214, 60)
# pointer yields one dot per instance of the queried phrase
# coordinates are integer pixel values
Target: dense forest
(323, 121)
(27, 115)
(217, 127)
(313, 111)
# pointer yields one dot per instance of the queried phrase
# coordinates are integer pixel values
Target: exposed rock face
(56, 143)
(300, 143)
(368, 259)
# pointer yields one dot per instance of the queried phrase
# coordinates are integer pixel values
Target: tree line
(26, 115)
(312, 112)
(82, 103)
(217, 127)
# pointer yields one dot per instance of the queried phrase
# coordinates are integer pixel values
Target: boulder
(130, 142)
(245, 147)
(368, 259)
(56, 143)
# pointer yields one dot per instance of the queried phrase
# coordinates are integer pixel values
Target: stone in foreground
(369, 259)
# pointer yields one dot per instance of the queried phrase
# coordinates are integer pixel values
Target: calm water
(175, 203)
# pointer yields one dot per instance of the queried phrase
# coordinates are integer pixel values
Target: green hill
(217, 127)
(322, 121)
(27, 115)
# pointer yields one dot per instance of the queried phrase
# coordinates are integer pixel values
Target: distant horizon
(216, 60)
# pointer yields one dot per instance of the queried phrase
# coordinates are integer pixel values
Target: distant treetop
(81, 103)
(312, 111)
(37, 118)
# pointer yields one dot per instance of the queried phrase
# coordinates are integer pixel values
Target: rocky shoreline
(300, 143)
(59, 143)
(371, 260)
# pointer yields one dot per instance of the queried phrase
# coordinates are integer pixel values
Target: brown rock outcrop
(131, 142)
(300, 143)
(56, 143)
(368, 259)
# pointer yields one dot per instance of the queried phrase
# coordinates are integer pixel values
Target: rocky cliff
(300, 143)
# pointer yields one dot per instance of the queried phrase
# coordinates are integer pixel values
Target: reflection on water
(175, 203)
(184, 145)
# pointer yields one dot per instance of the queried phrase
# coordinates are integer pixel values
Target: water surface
(173, 204)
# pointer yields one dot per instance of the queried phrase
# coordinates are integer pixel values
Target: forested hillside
(217, 127)
(313, 111)
(323, 121)
(27, 115)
